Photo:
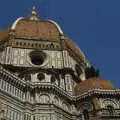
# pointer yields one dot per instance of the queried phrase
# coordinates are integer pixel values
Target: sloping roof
(4, 33)
(92, 83)
(37, 29)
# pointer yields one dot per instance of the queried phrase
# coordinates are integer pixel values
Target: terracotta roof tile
(93, 83)
(4, 34)
(75, 48)
(37, 29)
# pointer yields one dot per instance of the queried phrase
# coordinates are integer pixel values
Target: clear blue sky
(93, 24)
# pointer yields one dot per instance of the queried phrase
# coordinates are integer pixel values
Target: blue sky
(93, 24)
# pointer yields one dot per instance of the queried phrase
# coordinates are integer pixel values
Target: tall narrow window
(110, 109)
(86, 115)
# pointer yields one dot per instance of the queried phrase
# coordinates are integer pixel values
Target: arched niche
(84, 106)
(112, 102)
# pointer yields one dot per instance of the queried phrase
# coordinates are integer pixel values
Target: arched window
(86, 115)
(110, 109)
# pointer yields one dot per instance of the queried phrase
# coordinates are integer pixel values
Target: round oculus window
(41, 76)
(37, 57)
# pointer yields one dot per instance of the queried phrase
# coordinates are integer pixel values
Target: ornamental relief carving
(84, 106)
(34, 44)
(44, 98)
(66, 106)
(114, 103)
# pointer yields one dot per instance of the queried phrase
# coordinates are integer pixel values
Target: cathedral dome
(93, 83)
(34, 28)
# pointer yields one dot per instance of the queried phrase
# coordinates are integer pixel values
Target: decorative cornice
(11, 77)
(48, 86)
(97, 91)
(52, 71)
(28, 43)
(106, 114)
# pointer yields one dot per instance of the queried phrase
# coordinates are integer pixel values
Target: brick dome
(93, 83)
(45, 30)
(33, 27)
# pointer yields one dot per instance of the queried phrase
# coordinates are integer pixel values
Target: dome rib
(58, 27)
(16, 22)
(75, 48)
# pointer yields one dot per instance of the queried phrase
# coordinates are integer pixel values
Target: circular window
(41, 76)
(37, 61)
(37, 57)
